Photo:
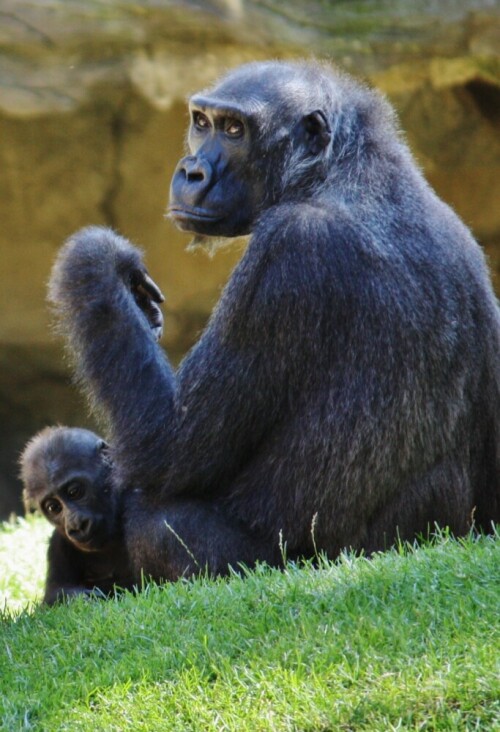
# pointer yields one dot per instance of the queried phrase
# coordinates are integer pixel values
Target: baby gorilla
(66, 473)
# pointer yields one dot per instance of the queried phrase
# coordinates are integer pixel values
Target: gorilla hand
(147, 296)
(88, 280)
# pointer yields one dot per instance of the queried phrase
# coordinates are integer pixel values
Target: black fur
(66, 474)
(346, 388)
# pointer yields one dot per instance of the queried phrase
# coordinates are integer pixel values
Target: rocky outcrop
(91, 124)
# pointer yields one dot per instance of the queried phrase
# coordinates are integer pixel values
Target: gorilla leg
(442, 497)
(188, 537)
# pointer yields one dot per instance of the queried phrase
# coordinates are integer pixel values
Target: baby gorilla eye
(233, 128)
(74, 490)
(52, 507)
(201, 121)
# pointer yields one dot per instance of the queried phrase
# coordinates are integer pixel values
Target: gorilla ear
(104, 451)
(317, 131)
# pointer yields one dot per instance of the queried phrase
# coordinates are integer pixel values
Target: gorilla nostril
(194, 169)
(84, 526)
(195, 177)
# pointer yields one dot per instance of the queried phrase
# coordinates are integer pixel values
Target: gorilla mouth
(87, 546)
(187, 215)
(92, 542)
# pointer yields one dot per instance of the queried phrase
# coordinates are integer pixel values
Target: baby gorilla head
(66, 473)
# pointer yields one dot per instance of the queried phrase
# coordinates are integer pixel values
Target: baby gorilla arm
(65, 576)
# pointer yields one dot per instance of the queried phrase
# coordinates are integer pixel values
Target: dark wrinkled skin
(346, 388)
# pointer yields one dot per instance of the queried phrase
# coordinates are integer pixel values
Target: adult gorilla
(346, 388)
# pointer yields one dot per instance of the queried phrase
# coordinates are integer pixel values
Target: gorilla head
(279, 141)
(66, 474)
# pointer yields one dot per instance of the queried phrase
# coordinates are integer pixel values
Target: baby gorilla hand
(148, 295)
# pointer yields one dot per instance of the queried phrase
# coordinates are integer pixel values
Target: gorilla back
(346, 388)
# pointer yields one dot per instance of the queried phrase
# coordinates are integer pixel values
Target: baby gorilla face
(67, 476)
(82, 511)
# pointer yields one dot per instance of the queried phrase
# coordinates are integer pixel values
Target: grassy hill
(409, 640)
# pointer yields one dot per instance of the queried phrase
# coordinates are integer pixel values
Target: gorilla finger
(154, 315)
(157, 332)
(151, 288)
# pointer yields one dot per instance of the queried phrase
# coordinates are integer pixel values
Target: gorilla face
(210, 193)
(250, 140)
(67, 476)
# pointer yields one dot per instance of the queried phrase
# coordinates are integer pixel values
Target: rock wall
(92, 117)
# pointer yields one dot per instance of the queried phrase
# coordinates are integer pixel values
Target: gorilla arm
(65, 576)
(99, 289)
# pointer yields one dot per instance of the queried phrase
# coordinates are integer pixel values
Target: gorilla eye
(52, 507)
(201, 121)
(234, 128)
(74, 490)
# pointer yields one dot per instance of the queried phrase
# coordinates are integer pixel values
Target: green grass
(409, 640)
